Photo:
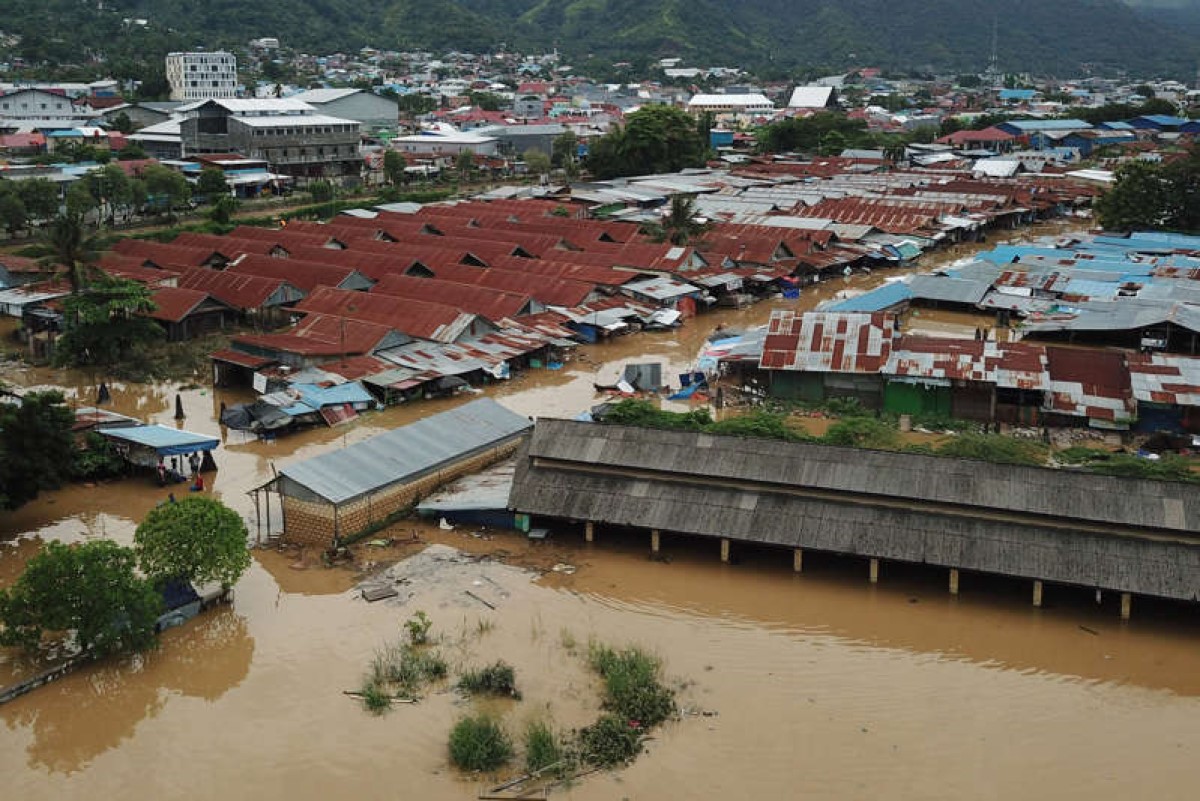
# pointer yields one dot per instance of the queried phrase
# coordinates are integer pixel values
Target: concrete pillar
(954, 581)
(589, 531)
(654, 540)
(724, 550)
(874, 571)
(798, 560)
(1126, 605)
(1037, 593)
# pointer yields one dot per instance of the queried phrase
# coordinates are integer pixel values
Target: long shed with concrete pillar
(334, 496)
(1127, 535)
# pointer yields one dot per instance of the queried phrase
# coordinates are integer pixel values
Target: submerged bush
(495, 679)
(632, 689)
(610, 741)
(478, 743)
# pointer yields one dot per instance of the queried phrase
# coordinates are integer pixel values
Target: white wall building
(202, 76)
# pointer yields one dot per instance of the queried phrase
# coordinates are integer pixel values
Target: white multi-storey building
(202, 76)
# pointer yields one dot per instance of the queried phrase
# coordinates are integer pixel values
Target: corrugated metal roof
(948, 290)
(1090, 383)
(1158, 378)
(1009, 365)
(403, 454)
(166, 441)
(885, 297)
(828, 342)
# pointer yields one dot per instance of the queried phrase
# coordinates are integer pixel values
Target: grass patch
(863, 432)
(995, 448)
(1169, 467)
(497, 679)
(478, 743)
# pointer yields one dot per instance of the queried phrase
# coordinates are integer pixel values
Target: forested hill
(1058, 37)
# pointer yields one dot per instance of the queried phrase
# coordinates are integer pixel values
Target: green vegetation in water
(632, 689)
(498, 679)
(543, 749)
(418, 627)
(610, 741)
(399, 672)
(478, 743)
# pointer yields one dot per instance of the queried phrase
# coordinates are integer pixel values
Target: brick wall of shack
(313, 522)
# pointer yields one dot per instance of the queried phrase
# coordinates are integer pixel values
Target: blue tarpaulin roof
(165, 441)
(885, 297)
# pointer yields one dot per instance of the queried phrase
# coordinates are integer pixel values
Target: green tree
(564, 149)
(165, 188)
(198, 539)
(212, 184)
(89, 592)
(537, 162)
(1138, 199)
(321, 191)
(394, 164)
(487, 101)
(36, 447)
(465, 163)
(80, 200)
(223, 210)
(654, 139)
(40, 197)
(131, 152)
(105, 322)
(13, 214)
(122, 123)
(72, 249)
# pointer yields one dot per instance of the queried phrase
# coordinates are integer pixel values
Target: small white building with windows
(202, 76)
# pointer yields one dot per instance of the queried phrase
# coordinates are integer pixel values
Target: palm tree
(680, 225)
(71, 248)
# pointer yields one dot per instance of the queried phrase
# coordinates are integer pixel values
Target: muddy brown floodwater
(818, 686)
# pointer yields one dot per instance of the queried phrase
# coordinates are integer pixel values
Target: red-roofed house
(187, 313)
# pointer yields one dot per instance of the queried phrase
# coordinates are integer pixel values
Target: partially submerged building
(331, 498)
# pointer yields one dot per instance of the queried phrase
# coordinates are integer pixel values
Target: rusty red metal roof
(241, 290)
(239, 358)
(1162, 378)
(322, 335)
(1014, 365)
(493, 304)
(828, 342)
(306, 275)
(1090, 383)
(433, 321)
(173, 304)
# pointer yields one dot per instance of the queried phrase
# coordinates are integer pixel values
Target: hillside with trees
(1065, 37)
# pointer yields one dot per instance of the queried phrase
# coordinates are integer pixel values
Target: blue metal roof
(1116, 125)
(313, 398)
(1046, 125)
(1165, 239)
(1017, 94)
(879, 299)
(1165, 120)
(163, 440)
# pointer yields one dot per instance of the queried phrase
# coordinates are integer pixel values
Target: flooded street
(821, 685)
